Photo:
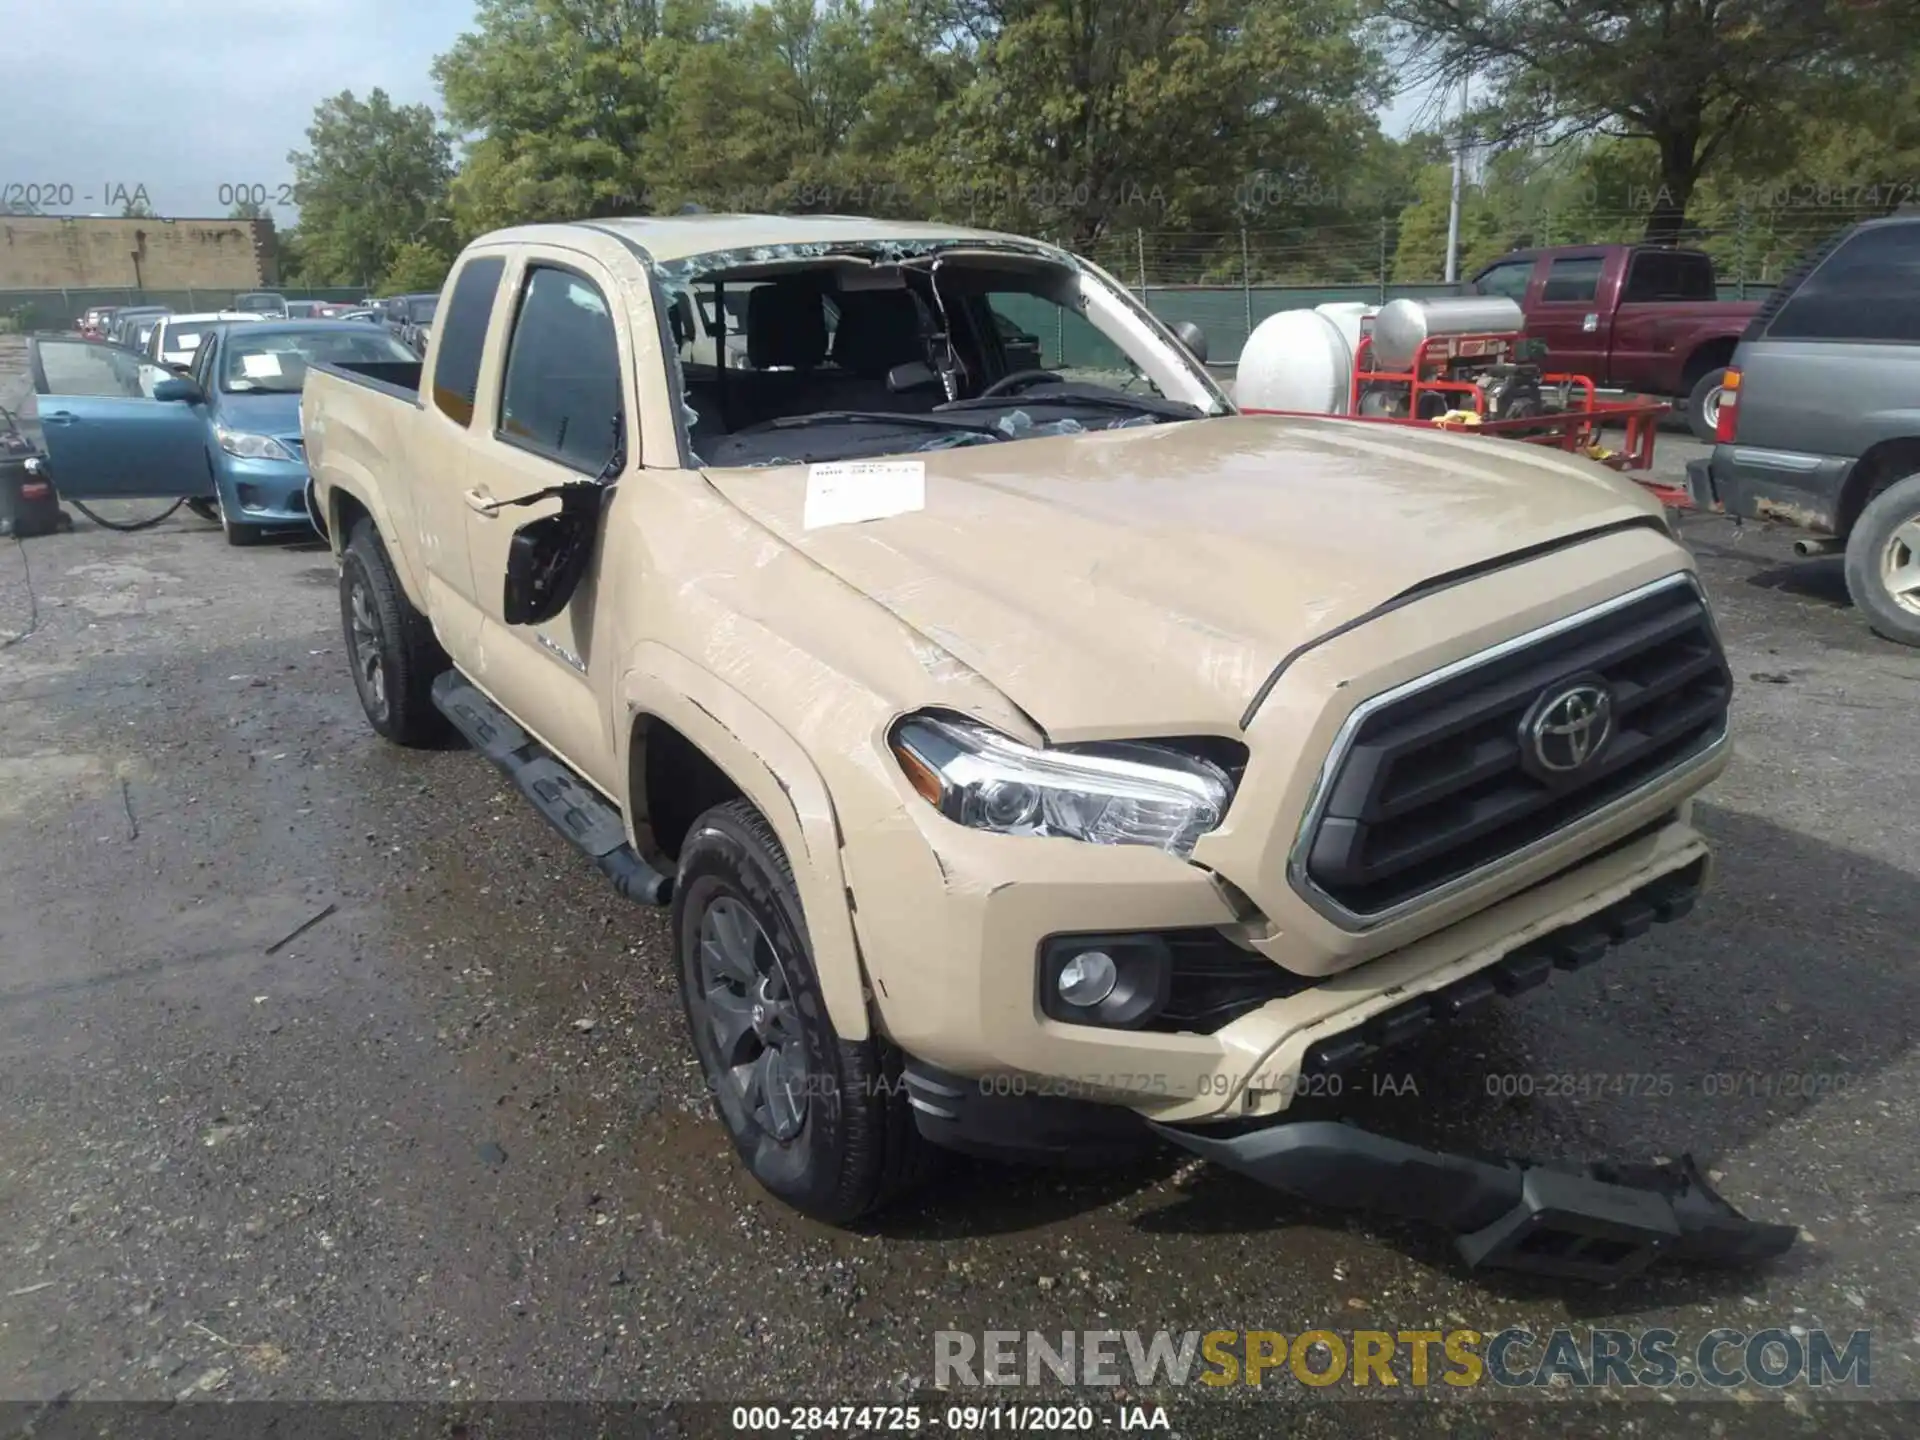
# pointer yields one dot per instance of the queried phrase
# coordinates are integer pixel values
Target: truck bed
(398, 378)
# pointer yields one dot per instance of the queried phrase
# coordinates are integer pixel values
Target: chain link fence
(1227, 282)
(29, 310)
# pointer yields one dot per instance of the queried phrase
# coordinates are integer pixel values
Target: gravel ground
(447, 1141)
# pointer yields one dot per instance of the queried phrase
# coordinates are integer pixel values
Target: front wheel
(1883, 562)
(237, 532)
(821, 1122)
(1703, 405)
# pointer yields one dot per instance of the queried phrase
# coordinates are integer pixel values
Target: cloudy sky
(186, 97)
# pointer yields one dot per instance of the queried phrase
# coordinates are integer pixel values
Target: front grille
(1434, 783)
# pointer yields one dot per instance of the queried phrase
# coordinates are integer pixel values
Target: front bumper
(1603, 1223)
(264, 492)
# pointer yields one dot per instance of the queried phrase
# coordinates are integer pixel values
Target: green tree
(1082, 118)
(559, 99)
(417, 267)
(136, 210)
(1577, 192)
(249, 210)
(373, 175)
(1690, 78)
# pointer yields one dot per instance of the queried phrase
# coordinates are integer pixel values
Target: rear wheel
(390, 644)
(1703, 405)
(1883, 562)
(821, 1122)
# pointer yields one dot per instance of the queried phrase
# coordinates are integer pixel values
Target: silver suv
(1820, 426)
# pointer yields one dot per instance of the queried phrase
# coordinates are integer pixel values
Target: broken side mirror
(547, 558)
(1194, 338)
(914, 375)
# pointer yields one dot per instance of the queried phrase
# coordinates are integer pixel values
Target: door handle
(1590, 323)
(58, 417)
(482, 503)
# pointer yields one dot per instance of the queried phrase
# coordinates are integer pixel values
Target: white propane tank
(1402, 326)
(1296, 360)
(1351, 317)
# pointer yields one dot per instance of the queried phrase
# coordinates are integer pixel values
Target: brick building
(53, 252)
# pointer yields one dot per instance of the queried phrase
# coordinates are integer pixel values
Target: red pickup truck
(1645, 318)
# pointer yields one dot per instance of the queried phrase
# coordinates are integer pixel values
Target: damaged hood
(1146, 581)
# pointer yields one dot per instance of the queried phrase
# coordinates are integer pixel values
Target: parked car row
(208, 412)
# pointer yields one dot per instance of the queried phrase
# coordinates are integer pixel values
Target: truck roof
(1534, 252)
(677, 237)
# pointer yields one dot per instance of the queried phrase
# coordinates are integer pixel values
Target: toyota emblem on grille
(1568, 726)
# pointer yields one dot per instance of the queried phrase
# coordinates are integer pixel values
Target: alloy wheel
(1900, 566)
(752, 1018)
(368, 663)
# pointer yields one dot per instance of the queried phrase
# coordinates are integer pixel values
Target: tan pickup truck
(1036, 761)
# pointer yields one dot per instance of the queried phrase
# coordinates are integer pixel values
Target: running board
(1603, 1223)
(571, 806)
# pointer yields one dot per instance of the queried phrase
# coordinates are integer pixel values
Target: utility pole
(1459, 176)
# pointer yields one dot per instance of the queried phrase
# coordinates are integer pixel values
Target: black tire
(238, 534)
(399, 644)
(1885, 540)
(1703, 404)
(855, 1148)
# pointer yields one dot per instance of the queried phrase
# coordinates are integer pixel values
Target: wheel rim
(368, 667)
(1710, 407)
(1900, 566)
(752, 1018)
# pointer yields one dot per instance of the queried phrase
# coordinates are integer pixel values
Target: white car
(176, 337)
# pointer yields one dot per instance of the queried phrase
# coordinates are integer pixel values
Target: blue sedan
(226, 435)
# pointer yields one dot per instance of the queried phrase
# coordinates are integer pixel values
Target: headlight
(1122, 793)
(249, 446)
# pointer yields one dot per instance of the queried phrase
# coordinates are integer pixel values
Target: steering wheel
(1018, 380)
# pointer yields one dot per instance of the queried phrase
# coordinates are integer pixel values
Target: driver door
(105, 435)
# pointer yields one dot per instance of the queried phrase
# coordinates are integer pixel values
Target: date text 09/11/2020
(956, 1419)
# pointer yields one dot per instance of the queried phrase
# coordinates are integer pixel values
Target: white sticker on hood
(849, 491)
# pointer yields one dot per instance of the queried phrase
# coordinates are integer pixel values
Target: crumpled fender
(775, 774)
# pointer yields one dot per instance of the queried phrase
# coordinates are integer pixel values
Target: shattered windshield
(834, 355)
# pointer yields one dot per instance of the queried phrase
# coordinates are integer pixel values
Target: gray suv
(1820, 424)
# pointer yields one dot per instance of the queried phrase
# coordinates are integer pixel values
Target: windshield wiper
(870, 417)
(1078, 395)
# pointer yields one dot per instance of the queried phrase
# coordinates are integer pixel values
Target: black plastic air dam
(1602, 1224)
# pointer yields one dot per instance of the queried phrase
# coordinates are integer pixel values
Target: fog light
(1088, 978)
(1119, 981)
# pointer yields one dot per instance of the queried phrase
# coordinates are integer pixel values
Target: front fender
(772, 771)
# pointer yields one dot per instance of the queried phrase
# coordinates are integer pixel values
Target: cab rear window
(463, 335)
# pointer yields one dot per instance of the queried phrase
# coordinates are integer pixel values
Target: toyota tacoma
(1035, 758)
